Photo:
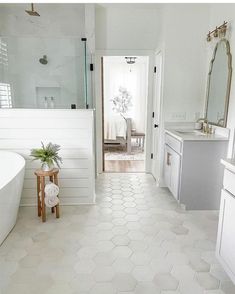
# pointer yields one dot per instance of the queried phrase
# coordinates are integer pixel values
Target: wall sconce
(217, 32)
(223, 30)
(208, 37)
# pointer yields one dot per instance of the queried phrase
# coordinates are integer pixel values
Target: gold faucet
(206, 128)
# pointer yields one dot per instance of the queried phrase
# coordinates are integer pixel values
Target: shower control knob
(155, 126)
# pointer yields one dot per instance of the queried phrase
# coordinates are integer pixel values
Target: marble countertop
(229, 163)
(194, 135)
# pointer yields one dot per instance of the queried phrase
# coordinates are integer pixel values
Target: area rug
(122, 155)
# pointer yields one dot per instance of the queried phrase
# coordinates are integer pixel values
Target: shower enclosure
(45, 72)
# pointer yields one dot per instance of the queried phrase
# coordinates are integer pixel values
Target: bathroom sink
(191, 132)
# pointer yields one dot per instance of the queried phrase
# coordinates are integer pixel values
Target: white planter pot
(46, 167)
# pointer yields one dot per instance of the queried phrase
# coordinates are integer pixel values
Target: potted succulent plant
(48, 155)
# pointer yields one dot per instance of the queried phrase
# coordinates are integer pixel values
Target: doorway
(124, 97)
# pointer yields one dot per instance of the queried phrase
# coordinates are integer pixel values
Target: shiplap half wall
(24, 129)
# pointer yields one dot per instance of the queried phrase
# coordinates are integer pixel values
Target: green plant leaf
(48, 154)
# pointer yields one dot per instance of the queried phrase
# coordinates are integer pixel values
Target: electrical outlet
(178, 116)
(197, 115)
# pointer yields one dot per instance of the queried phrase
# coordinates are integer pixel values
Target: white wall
(128, 26)
(218, 14)
(24, 129)
(184, 33)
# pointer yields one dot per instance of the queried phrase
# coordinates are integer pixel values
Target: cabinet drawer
(229, 181)
(173, 143)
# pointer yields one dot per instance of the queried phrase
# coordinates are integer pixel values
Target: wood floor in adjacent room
(124, 166)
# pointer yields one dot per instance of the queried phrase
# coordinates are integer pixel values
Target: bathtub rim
(22, 166)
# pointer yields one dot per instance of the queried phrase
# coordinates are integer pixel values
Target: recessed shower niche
(48, 97)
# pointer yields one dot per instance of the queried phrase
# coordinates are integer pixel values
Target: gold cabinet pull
(168, 162)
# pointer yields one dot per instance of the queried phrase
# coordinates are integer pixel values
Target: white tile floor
(136, 240)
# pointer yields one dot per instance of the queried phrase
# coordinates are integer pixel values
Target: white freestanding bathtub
(12, 166)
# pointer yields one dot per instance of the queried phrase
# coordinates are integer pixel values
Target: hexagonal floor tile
(140, 258)
(124, 282)
(143, 273)
(207, 281)
(199, 265)
(121, 252)
(123, 265)
(103, 273)
(103, 288)
(84, 266)
(180, 230)
(166, 282)
(147, 288)
(120, 240)
(82, 282)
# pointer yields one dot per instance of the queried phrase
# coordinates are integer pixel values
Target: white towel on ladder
(51, 201)
(51, 193)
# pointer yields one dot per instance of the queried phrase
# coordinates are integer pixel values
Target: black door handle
(155, 126)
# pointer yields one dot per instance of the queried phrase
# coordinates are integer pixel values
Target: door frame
(102, 106)
(157, 164)
(99, 104)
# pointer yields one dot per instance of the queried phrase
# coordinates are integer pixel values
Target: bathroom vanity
(192, 169)
(226, 231)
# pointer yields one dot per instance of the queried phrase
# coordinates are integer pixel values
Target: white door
(156, 115)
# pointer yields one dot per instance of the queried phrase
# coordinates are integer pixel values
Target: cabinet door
(167, 167)
(226, 234)
(175, 174)
(172, 170)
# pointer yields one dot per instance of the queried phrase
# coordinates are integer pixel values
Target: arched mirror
(218, 85)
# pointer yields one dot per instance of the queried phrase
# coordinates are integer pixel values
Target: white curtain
(117, 73)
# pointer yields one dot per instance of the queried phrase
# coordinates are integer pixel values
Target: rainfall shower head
(43, 60)
(32, 12)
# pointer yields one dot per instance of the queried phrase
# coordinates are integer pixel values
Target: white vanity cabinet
(192, 169)
(225, 249)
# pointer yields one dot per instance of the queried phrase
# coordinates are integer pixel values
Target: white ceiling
(131, 5)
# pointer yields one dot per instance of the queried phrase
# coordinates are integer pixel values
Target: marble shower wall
(57, 34)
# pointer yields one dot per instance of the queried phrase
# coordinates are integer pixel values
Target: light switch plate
(178, 116)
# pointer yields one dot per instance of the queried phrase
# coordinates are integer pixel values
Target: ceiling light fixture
(130, 60)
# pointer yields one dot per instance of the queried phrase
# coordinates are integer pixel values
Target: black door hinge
(155, 69)
(151, 155)
(91, 66)
(153, 115)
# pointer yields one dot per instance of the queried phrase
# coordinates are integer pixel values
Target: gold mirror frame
(227, 45)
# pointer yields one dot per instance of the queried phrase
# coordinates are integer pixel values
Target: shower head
(43, 60)
(32, 12)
